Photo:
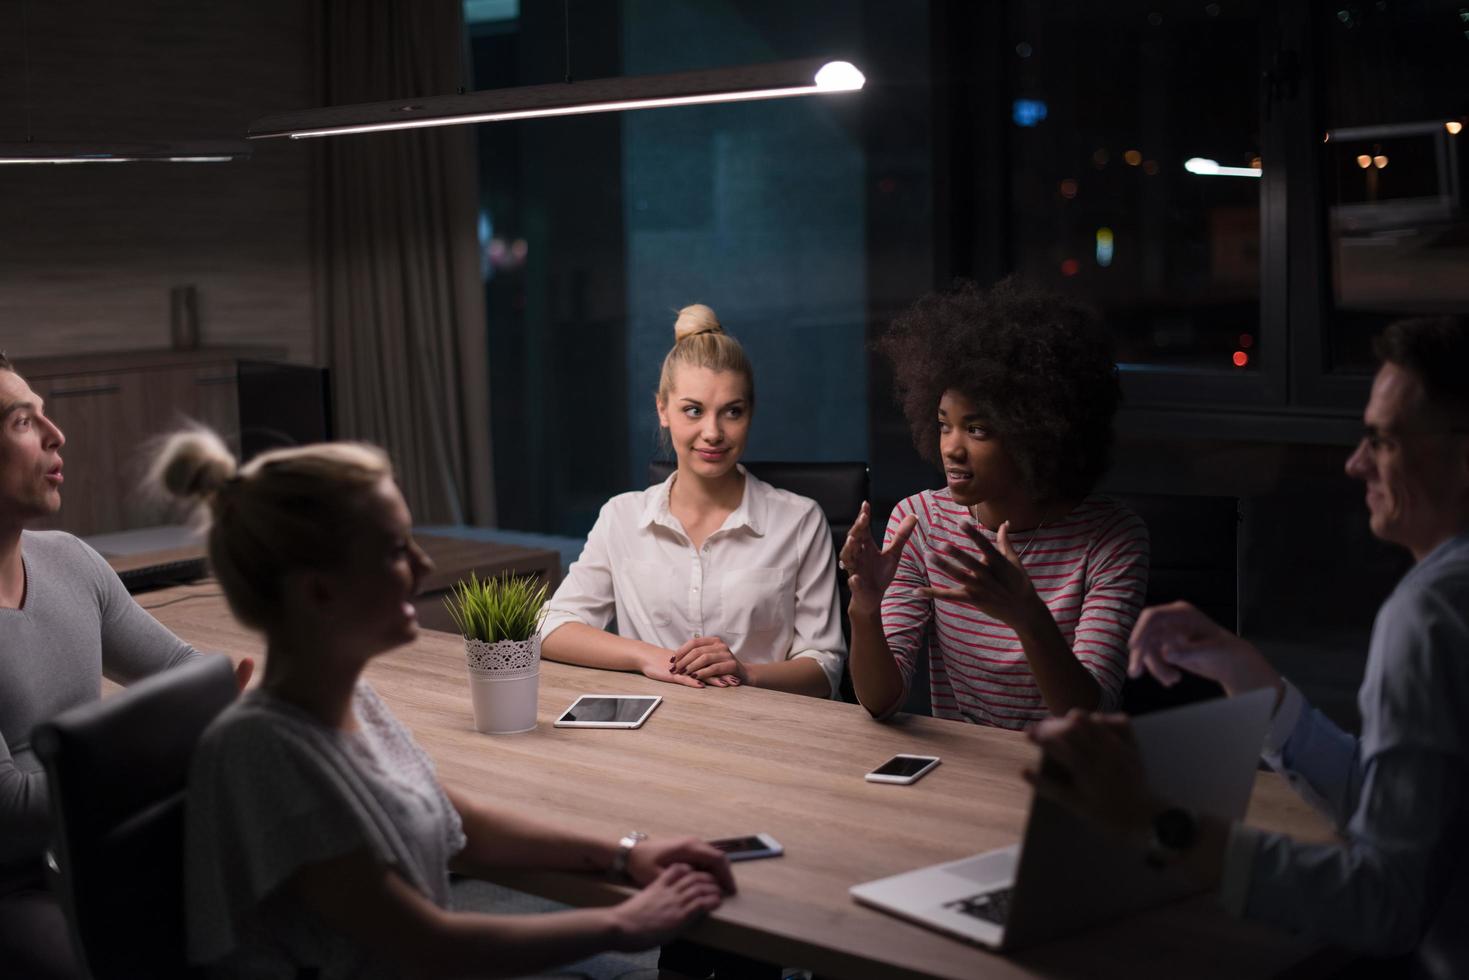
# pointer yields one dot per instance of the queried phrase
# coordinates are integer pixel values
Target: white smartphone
(608, 711)
(903, 769)
(750, 847)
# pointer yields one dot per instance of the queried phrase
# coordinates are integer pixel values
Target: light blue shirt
(1399, 794)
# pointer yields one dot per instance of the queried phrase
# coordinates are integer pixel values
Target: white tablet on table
(608, 711)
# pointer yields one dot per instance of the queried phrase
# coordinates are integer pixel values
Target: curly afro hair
(1040, 367)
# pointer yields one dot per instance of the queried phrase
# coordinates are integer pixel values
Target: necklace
(1038, 528)
(1033, 533)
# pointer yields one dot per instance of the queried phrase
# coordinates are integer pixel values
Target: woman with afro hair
(1023, 584)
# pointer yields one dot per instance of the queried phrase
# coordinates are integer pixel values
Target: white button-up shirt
(764, 583)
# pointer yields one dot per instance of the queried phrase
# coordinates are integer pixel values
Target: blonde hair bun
(693, 320)
(193, 464)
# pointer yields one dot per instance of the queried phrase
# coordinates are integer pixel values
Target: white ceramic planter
(504, 684)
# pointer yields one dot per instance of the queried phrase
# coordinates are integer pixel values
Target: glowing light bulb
(839, 76)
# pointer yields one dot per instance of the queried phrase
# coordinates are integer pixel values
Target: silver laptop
(1065, 875)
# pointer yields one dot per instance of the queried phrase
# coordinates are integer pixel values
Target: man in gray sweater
(65, 620)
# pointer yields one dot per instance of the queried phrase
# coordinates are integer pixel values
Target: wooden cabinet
(111, 405)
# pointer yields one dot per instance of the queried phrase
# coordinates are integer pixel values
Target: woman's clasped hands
(681, 879)
(703, 661)
(708, 660)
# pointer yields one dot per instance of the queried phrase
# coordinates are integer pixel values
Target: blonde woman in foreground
(319, 840)
(713, 577)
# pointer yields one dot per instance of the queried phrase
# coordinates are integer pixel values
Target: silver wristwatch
(624, 853)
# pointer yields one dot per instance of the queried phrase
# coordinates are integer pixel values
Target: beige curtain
(402, 304)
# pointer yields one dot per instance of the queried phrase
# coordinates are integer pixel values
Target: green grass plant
(506, 607)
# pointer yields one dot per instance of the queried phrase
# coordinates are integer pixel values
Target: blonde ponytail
(285, 510)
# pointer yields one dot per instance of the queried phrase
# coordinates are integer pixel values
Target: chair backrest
(1195, 556)
(116, 770)
(838, 488)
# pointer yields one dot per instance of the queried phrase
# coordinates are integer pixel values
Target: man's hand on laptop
(1093, 768)
(1177, 637)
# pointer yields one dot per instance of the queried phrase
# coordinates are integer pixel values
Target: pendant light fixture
(108, 151)
(198, 151)
(777, 80)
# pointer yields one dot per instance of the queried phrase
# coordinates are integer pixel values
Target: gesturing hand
(667, 906)
(708, 659)
(995, 583)
(870, 570)
(1178, 636)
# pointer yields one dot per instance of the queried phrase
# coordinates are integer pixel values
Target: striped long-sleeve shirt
(1091, 569)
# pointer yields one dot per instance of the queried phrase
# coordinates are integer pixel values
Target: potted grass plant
(500, 620)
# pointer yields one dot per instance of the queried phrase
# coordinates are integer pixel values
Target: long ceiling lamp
(776, 80)
(109, 151)
(198, 151)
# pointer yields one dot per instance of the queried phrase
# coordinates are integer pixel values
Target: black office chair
(117, 770)
(1195, 556)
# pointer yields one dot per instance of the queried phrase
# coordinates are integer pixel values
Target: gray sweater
(77, 623)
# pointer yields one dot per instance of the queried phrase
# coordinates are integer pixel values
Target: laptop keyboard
(990, 906)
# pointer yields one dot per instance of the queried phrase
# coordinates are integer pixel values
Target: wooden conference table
(723, 762)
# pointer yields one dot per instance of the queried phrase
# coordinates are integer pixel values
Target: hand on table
(660, 668)
(668, 905)
(650, 858)
(708, 659)
(1177, 637)
(1094, 769)
(995, 583)
(870, 569)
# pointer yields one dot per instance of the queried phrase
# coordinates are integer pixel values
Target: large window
(1135, 171)
(800, 221)
(1248, 190)
(1397, 166)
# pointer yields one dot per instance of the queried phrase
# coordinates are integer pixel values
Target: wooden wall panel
(103, 418)
(88, 253)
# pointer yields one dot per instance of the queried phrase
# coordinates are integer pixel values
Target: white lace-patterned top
(272, 790)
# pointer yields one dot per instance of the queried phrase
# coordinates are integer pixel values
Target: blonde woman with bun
(713, 577)
(318, 839)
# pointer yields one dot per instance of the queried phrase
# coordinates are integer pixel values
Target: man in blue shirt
(1398, 882)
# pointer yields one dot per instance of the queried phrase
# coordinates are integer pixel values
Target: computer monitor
(1398, 176)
